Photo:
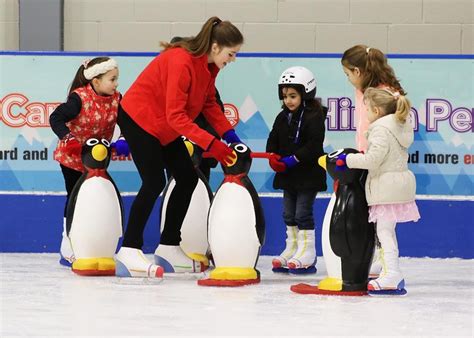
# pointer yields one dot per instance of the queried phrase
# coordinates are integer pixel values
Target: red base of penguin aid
(307, 289)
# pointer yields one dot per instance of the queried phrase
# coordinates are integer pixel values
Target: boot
(391, 277)
(280, 263)
(376, 265)
(131, 262)
(304, 260)
(173, 259)
(65, 251)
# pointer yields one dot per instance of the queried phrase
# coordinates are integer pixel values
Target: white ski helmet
(299, 76)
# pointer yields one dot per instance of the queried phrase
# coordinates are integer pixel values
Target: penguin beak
(231, 161)
(322, 161)
(99, 152)
(190, 147)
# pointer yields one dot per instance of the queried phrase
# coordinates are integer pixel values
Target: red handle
(261, 155)
(252, 155)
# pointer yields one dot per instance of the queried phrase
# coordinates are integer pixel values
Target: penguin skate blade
(138, 281)
(184, 275)
(307, 289)
(387, 293)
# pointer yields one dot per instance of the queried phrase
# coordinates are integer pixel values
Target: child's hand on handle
(289, 161)
(341, 162)
(71, 146)
(121, 147)
(221, 152)
(275, 163)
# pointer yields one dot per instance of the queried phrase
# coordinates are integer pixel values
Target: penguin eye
(335, 153)
(241, 148)
(92, 141)
(105, 142)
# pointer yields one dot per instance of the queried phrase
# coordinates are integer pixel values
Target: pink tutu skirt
(399, 213)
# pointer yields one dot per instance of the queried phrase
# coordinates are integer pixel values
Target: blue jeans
(298, 208)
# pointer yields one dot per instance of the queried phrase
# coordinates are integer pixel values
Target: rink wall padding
(33, 223)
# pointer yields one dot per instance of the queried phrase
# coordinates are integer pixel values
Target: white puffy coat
(389, 181)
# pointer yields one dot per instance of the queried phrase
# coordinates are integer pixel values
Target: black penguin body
(351, 234)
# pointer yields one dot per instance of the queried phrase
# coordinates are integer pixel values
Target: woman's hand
(221, 152)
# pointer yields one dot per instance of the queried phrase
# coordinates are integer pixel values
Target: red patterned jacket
(97, 118)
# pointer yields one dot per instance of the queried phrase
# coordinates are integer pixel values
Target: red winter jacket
(171, 92)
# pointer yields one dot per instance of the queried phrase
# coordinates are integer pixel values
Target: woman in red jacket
(156, 111)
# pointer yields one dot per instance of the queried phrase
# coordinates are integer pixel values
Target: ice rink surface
(41, 298)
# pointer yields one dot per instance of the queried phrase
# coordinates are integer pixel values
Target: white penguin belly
(194, 226)
(333, 262)
(232, 227)
(96, 225)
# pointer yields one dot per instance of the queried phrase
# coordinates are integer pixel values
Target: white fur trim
(100, 68)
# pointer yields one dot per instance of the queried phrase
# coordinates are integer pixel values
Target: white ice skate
(65, 251)
(391, 280)
(376, 264)
(173, 259)
(304, 260)
(280, 263)
(131, 262)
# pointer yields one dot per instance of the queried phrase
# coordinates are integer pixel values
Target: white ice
(41, 298)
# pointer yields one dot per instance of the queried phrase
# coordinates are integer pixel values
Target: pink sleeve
(362, 122)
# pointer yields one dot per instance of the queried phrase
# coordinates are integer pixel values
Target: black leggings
(151, 158)
(71, 177)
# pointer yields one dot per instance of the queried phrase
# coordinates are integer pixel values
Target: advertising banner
(440, 89)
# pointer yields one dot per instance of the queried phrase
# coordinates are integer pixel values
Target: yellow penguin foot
(231, 276)
(94, 266)
(330, 284)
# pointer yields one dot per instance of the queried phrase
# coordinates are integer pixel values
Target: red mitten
(221, 152)
(71, 146)
(275, 163)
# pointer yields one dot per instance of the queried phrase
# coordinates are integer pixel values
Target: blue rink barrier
(33, 223)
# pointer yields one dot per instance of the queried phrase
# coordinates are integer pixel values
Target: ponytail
(373, 66)
(388, 102)
(403, 109)
(224, 33)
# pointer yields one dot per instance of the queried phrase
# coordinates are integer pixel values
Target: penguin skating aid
(348, 237)
(94, 213)
(236, 226)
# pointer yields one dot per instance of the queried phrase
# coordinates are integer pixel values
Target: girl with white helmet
(297, 138)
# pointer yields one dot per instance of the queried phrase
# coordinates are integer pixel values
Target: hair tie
(396, 95)
(218, 21)
(367, 50)
(86, 62)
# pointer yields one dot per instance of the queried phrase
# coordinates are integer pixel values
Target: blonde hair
(388, 102)
(224, 33)
(373, 67)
